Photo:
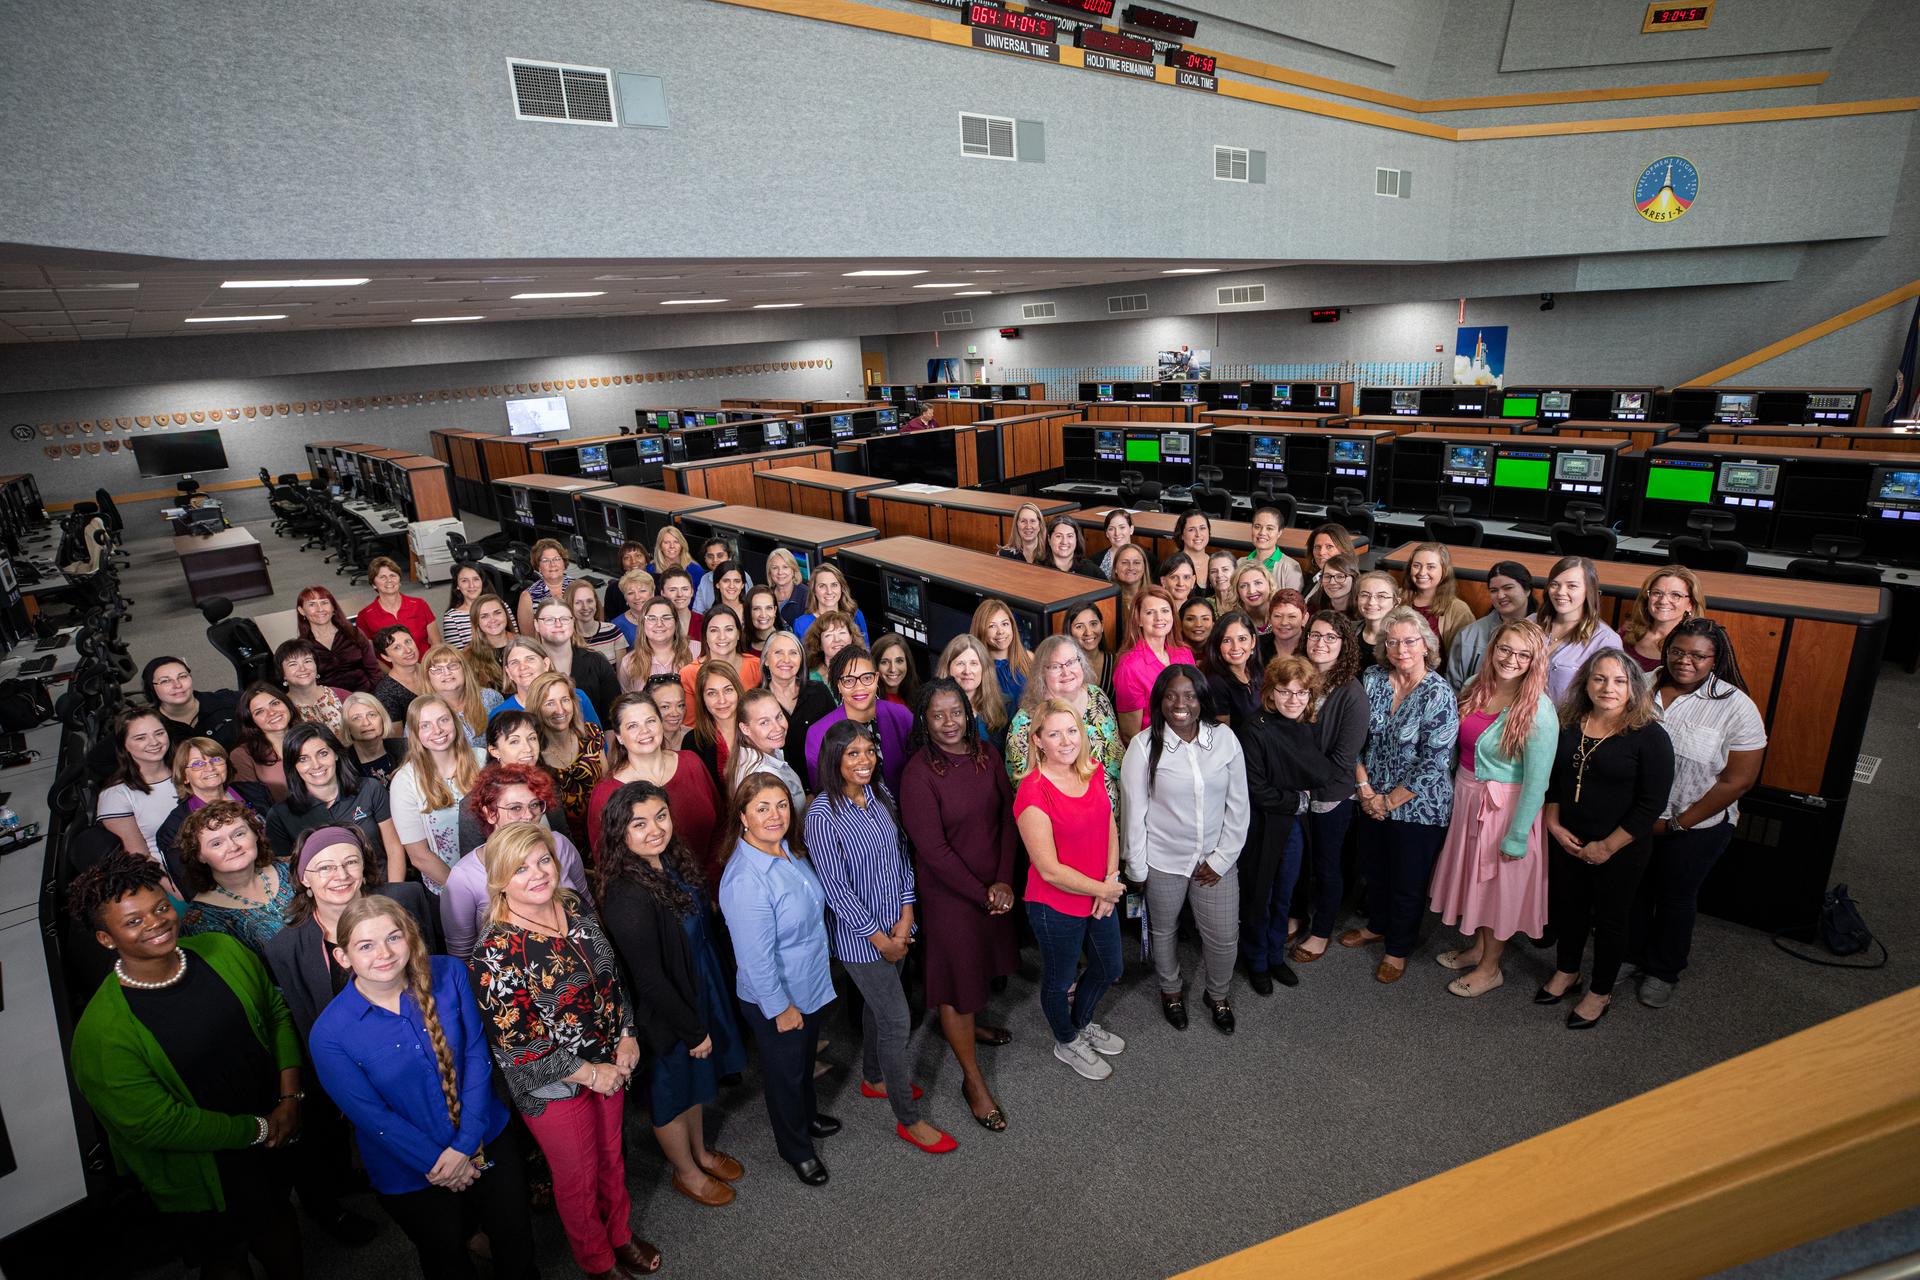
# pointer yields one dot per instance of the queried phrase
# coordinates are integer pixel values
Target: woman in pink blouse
(1147, 651)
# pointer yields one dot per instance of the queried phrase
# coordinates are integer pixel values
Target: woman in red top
(389, 608)
(637, 752)
(1073, 885)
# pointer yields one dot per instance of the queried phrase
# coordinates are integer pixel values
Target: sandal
(994, 1121)
(994, 1036)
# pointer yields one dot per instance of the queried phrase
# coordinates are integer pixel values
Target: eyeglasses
(1671, 597)
(1061, 668)
(865, 680)
(206, 764)
(1677, 655)
(1292, 695)
(328, 870)
(444, 668)
(1508, 652)
(531, 809)
(1406, 642)
(1322, 637)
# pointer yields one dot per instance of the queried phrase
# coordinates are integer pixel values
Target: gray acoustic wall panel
(1561, 33)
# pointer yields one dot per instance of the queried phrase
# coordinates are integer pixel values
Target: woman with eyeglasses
(1375, 595)
(296, 661)
(1719, 743)
(550, 582)
(325, 790)
(1570, 615)
(199, 779)
(1510, 592)
(1340, 717)
(502, 794)
(449, 676)
(1670, 596)
(1491, 879)
(1334, 587)
(891, 724)
(1063, 675)
(1405, 779)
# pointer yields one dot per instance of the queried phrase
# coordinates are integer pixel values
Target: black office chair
(1703, 552)
(1210, 496)
(238, 640)
(1271, 491)
(1584, 533)
(1349, 508)
(110, 516)
(1452, 527)
(1839, 561)
(520, 557)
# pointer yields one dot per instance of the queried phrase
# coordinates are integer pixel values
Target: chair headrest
(216, 609)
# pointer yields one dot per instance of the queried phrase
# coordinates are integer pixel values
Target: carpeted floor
(1330, 1094)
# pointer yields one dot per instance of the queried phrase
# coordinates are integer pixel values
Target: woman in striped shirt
(854, 837)
(456, 624)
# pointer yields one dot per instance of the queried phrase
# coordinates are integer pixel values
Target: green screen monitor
(1520, 407)
(711, 420)
(1146, 449)
(1669, 483)
(1520, 473)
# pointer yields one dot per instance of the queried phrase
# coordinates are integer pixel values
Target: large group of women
(451, 886)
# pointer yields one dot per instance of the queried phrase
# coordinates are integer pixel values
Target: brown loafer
(720, 1194)
(638, 1258)
(1357, 938)
(1299, 956)
(724, 1166)
(1386, 973)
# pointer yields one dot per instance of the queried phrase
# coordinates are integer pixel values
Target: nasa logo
(1667, 189)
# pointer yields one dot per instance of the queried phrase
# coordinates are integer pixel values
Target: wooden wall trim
(1813, 333)
(1800, 1138)
(1692, 120)
(155, 495)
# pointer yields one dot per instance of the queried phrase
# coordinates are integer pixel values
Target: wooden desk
(230, 563)
(462, 452)
(971, 518)
(1231, 535)
(730, 479)
(1272, 418)
(427, 494)
(970, 576)
(279, 626)
(756, 529)
(1810, 653)
(814, 491)
(1144, 411)
(1402, 424)
(1873, 439)
(1642, 435)
(549, 512)
(1030, 439)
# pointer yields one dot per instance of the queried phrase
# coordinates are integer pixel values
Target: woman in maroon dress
(957, 806)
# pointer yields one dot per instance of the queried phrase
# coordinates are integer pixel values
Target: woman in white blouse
(425, 796)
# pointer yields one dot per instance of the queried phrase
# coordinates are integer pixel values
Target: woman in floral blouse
(1061, 670)
(549, 989)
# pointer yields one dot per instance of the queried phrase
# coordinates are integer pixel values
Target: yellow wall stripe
(1814, 333)
(1753, 115)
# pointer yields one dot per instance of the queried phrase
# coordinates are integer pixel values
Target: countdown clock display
(1677, 17)
(1187, 60)
(993, 18)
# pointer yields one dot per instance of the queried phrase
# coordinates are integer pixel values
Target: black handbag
(1842, 930)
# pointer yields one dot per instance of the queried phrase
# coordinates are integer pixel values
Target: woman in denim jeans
(1074, 884)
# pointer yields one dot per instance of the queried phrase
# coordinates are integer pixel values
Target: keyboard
(1537, 530)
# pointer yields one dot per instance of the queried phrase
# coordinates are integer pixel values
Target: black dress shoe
(823, 1126)
(1261, 981)
(1285, 976)
(1544, 996)
(1577, 1023)
(346, 1226)
(1222, 1014)
(812, 1172)
(1176, 1010)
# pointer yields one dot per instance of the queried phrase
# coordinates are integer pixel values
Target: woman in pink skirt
(1491, 878)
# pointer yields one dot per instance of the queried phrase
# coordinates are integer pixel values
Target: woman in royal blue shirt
(404, 1054)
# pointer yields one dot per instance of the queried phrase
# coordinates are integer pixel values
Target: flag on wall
(1902, 403)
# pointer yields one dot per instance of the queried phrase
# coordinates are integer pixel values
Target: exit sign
(1009, 333)
(1678, 17)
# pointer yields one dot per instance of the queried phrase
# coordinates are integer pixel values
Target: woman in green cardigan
(189, 1058)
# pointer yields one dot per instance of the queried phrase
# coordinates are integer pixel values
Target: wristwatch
(298, 1095)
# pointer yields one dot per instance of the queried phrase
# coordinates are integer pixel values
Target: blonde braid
(420, 981)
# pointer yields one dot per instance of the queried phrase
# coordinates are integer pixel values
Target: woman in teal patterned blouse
(1061, 670)
(1406, 784)
(239, 888)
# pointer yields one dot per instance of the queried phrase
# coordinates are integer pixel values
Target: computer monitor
(1104, 391)
(1107, 445)
(1176, 446)
(593, 460)
(1520, 407)
(1512, 471)
(1675, 481)
(689, 419)
(841, 425)
(1326, 392)
(1406, 402)
(1630, 405)
(653, 449)
(523, 503)
(1269, 453)
(1892, 484)
(1557, 403)
(1736, 406)
(955, 393)
(726, 438)
(887, 419)
(1189, 392)
(1143, 449)
(906, 597)
(1468, 463)
(1749, 479)
(773, 434)
(1349, 453)
(1580, 468)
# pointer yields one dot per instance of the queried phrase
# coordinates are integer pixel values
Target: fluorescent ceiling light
(1191, 271)
(919, 271)
(74, 288)
(975, 293)
(946, 284)
(340, 283)
(444, 319)
(582, 293)
(689, 302)
(776, 306)
(228, 319)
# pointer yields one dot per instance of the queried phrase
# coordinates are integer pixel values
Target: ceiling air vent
(1240, 295)
(1036, 311)
(561, 94)
(1230, 164)
(988, 137)
(1397, 183)
(956, 317)
(1127, 305)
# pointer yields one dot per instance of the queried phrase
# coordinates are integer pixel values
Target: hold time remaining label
(1117, 66)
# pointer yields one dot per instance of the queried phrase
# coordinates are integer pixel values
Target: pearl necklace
(120, 971)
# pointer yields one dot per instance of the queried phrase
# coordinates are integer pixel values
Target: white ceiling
(47, 296)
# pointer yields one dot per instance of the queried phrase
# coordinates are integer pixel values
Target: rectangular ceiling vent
(561, 94)
(1036, 311)
(1230, 164)
(956, 317)
(1395, 183)
(1240, 295)
(1127, 304)
(988, 137)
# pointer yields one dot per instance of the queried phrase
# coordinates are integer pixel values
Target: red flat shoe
(868, 1091)
(939, 1147)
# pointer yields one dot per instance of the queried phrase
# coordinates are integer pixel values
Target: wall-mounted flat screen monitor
(593, 460)
(774, 434)
(1736, 406)
(1406, 401)
(1520, 407)
(178, 453)
(1143, 449)
(1677, 482)
(1468, 461)
(1750, 479)
(1555, 402)
(1510, 472)
(1579, 468)
(1350, 453)
(539, 416)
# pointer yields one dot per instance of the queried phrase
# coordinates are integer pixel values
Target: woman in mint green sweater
(189, 1059)
(1491, 877)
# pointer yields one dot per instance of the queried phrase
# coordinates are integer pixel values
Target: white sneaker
(1101, 1040)
(1077, 1054)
